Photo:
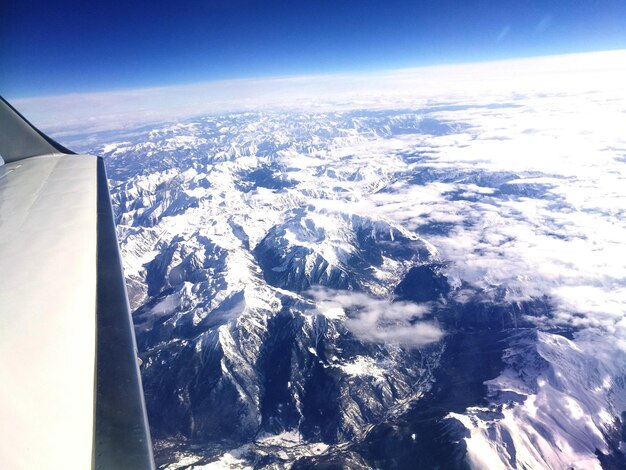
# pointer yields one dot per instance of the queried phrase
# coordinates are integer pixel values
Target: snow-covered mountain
(404, 288)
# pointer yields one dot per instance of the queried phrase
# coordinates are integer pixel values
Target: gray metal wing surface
(70, 389)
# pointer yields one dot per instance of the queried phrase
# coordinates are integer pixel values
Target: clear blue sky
(57, 47)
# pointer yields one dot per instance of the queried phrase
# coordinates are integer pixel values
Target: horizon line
(269, 78)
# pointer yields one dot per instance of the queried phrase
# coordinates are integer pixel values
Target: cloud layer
(493, 82)
(378, 320)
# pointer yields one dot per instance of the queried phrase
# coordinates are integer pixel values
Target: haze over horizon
(71, 47)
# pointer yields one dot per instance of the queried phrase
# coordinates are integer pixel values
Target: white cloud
(418, 87)
(379, 320)
(166, 306)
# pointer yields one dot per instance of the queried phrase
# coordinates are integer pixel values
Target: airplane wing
(70, 390)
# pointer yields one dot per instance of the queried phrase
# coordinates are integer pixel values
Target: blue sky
(49, 48)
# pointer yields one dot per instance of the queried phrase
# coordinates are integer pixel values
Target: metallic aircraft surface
(70, 393)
